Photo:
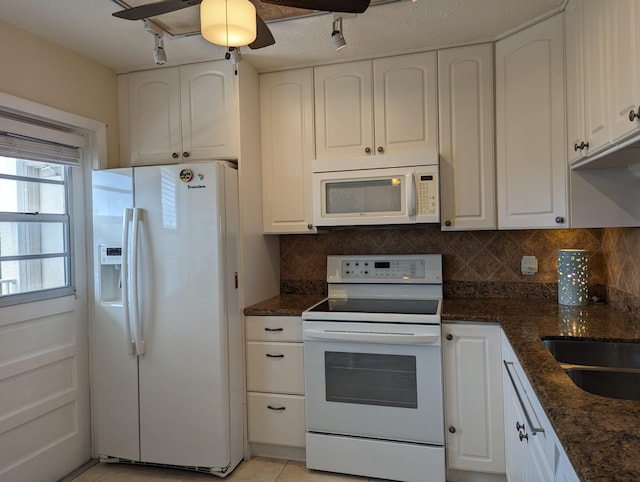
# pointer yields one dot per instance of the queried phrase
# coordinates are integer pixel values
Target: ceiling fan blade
(347, 6)
(264, 37)
(152, 9)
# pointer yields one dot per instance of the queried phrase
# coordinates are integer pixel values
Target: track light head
(159, 55)
(234, 55)
(337, 34)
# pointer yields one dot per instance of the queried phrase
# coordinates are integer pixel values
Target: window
(35, 226)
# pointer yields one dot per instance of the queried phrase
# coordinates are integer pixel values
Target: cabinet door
(405, 103)
(208, 110)
(597, 45)
(531, 155)
(467, 154)
(343, 110)
(473, 397)
(286, 126)
(515, 444)
(576, 137)
(625, 65)
(154, 116)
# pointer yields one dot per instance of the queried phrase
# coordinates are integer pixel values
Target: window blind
(22, 147)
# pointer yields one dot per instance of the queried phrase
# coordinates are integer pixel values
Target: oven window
(371, 379)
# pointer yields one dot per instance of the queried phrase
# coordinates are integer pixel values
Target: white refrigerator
(167, 340)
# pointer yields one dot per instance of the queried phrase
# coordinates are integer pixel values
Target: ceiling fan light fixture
(337, 34)
(231, 23)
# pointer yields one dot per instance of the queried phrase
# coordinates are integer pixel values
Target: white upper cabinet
(208, 108)
(466, 131)
(596, 45)
(384, 106)
(180, 112)
(287, 138)
(530, 128)
(577, 140)
(603, 76)
(624, 18)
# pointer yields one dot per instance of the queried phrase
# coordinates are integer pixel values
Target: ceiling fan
(264, 36)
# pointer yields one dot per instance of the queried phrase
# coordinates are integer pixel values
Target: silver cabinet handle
(634, 115)
(534, 430)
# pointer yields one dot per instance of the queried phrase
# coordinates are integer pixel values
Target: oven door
(374, 380)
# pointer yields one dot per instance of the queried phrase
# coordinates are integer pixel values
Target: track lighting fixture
(234, 55)
(337, 34)
(159, 55)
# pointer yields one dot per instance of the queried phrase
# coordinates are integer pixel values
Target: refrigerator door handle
(126, 221)
(136, 322)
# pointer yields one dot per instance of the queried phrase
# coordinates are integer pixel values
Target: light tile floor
(258, 469)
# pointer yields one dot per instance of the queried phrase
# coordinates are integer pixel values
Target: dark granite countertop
(283, 305)
(601, 435)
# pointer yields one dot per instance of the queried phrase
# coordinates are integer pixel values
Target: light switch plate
(529, 265)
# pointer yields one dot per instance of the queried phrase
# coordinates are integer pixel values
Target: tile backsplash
(621, 252)
(488, 261)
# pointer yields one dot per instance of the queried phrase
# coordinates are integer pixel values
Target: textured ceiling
(88, 28)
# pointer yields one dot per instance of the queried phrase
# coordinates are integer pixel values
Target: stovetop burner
(382, 306)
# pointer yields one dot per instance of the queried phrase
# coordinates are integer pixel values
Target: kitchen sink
(615, 354)
(608, 383)
(607, 368)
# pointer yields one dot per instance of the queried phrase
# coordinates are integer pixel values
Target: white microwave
(386, 192)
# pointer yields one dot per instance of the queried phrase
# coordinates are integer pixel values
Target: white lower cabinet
(533, 452)
(275, 386)
(473, 398)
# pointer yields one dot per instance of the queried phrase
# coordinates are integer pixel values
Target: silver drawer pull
(521, 398)
(277, 409)
(270, 355)
(273, 329)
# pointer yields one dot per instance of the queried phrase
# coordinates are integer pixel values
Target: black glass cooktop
(408, 307)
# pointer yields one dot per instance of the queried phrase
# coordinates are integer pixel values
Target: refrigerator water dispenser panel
(110, 274)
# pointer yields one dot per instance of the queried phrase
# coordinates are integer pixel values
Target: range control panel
(388, 269)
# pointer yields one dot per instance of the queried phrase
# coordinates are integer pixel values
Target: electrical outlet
(529, 265)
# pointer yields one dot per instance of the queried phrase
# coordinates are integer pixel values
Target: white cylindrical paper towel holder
(572, 277)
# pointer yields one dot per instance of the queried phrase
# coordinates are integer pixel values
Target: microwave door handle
(411, 194)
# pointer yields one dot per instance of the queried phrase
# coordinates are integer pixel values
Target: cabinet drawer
(275, 367)
(274, 328)
(276, 419)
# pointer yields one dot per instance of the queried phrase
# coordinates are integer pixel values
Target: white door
(154, 117)
(208, 111)
(287, 140)
(597, 48)
(344, 110)
(115, 368)
(466, 133)
(44, 377)
(530, 128)
(473, 397)
(405, 103)
(183, 374)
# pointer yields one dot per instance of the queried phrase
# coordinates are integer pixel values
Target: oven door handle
(371, 337)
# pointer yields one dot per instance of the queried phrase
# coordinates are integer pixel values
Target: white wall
(37, 70)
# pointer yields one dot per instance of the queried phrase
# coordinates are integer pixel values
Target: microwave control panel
(427, 193)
